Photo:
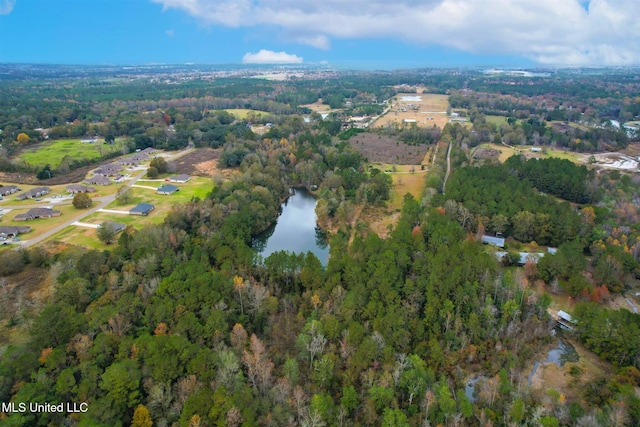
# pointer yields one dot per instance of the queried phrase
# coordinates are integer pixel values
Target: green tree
(106, 233)
(124, 196)
(152, 172)
(82, 201)
(160, 164)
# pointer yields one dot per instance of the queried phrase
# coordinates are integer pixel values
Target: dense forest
(179, 324)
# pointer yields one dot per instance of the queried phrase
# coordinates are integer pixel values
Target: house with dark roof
(79, 188)
(37, 213)
(167, 189)
(8, 190)
(33, 193)
(98, 180)
(142, 209)
(108, 170)
(180, 178)
(13, 230)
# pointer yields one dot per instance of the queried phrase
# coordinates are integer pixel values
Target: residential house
(37, 213)
(98, 180)
(180, 178)
(79, 188)
(142, 209)
(8, 189)
(168, 189)
(12, 230)
(116, 226)
(33, 193)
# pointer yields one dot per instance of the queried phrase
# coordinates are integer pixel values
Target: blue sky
(383, 34)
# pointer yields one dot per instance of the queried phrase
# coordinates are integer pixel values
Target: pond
(295, 230)
(565, 352)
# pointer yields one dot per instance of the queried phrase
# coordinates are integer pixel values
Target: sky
(361, 33)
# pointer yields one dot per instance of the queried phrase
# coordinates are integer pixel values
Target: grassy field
(52, 152)
(242, 113)
(506, 152)
(497, 120)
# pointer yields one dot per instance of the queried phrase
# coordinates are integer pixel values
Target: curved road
(103, 202)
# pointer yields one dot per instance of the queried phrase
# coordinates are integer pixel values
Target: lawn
(242, 113)
(52, 152)
(497, 120)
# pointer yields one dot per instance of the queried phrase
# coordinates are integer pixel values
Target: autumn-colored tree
(22, 138)
(141, 417)
(259, 366)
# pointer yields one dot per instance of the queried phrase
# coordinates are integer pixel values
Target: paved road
(102, 202)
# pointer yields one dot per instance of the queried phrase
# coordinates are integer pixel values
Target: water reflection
(295, 230)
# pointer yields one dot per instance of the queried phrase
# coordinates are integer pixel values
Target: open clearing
(202, 162)
(384, 149)
(243, 113)
(424, 109)
(52, 152)
(525, 150)
(318, 107)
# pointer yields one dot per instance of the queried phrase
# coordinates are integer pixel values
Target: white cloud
(6, 6)
(270, 57)
(559, 32)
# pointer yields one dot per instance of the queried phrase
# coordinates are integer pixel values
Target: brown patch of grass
(385, 149)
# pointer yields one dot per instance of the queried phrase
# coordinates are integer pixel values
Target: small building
(167, 189)
(13, 230)
(35, 213)
(565, 321)
(495, 241)
(33, 193)
(89, 140)
(8, 190)
(98, 180)
(149, 151)
(536, 149)
(116, 226)
(180, 178)
(142, 209)
(552, 251)
(79, 188)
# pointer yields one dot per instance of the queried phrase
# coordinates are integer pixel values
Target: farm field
(427, 109)
(52, 152)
